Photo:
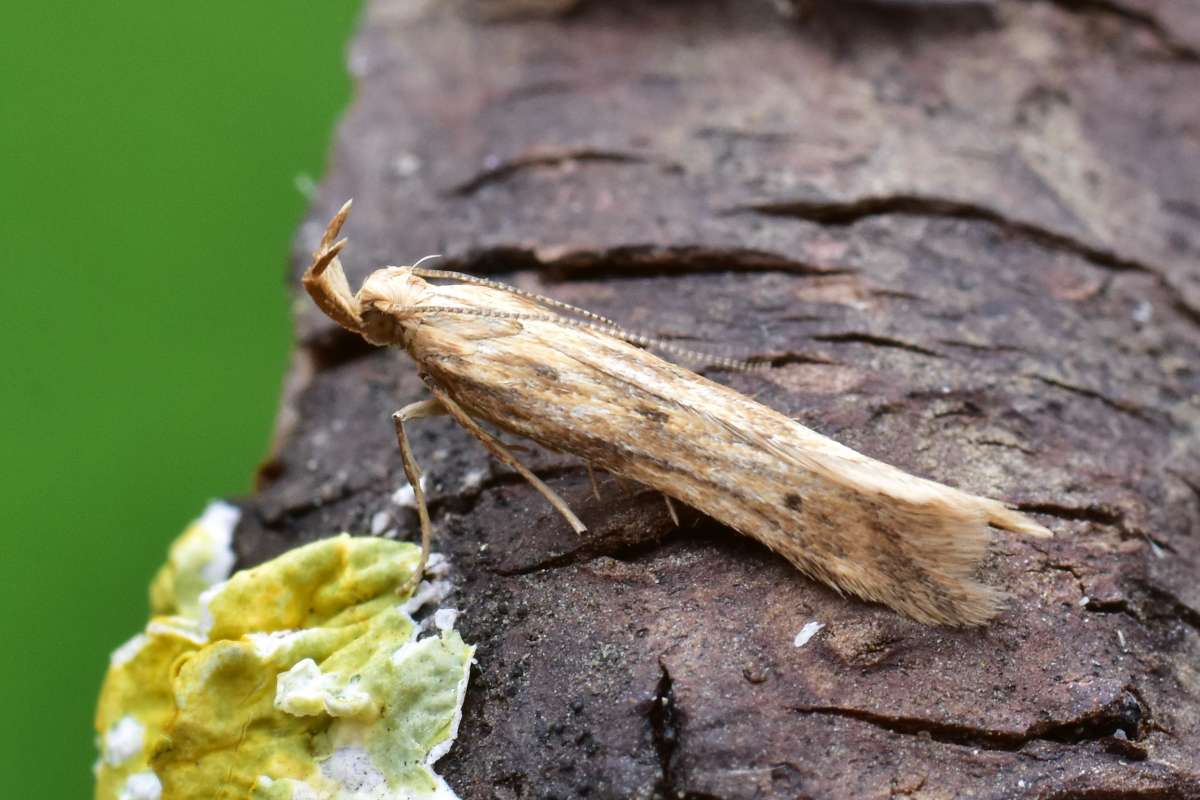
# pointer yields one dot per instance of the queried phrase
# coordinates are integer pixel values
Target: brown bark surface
(967, 237)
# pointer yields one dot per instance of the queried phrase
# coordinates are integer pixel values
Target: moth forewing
(911, 545)
(493, 353)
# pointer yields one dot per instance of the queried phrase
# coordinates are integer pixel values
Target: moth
(576, 383)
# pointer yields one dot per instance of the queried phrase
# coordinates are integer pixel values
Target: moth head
(381, 312)
(387, 303)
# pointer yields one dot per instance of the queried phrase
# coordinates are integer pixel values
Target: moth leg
(497, 449)
(671, 510)
(417, 410)
(517, 446)
(592, 477)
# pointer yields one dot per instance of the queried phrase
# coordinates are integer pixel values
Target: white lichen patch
(438, 565)
(123, 741)
(284, 789)
(121, 656)
(267, 645)
(204, 614)
(141, 786)
(405, 497)
(352, 769)
(473, 479)
(186, 628)
(217, 524)
(444, 618)
(442, 747)
(807, 632)
(380, 521)
(282, 682)
(306, 691)
(428, 592)
(199, 559)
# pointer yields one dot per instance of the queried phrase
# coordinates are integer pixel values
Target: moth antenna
(422, 260)
(504, 287)
(609, 329)
(608, 325)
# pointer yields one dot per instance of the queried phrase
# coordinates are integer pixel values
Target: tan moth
(574, 382)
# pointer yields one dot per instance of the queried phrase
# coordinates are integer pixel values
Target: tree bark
(966, 237)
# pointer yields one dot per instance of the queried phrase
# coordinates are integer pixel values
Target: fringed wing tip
(947, 544)
(1012, 520)
(961, 603)
(985, 604)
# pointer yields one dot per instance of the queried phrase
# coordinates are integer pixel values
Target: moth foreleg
(671, 510)
(497, 449)
(592, 477)
(417, 410)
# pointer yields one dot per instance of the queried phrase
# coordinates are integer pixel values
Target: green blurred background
(149, 157)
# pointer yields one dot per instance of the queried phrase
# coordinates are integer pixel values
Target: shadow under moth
(575, 382)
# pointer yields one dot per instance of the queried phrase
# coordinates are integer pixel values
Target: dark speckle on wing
(653, 414)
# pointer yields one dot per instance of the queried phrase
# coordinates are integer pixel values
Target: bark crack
(849, 212)
(1117, 405)
(502, 170)
(612, 546)
(1174, 607)
(1029, 451)
(874, 340)
(665, 731)
(1100, 515)
(633, 259)
(1138, 18)
(1093, 605)
(464, 502)
(790, 357)
(840, 213)
(1125, 715)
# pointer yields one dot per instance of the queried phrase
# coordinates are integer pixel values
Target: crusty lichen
(302, 678)
(200, 558)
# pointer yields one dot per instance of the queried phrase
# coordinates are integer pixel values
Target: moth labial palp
(575, 382)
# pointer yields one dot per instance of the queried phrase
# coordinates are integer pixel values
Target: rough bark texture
(967, 237)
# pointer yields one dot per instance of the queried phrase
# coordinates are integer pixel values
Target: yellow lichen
(300, 678)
